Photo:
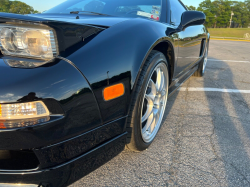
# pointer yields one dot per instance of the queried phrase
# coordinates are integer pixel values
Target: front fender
(116, 55)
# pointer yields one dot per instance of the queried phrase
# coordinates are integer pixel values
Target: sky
(42, 5)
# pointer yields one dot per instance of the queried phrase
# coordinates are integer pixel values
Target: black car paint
(84, 128)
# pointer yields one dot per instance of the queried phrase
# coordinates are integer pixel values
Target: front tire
(148, 105)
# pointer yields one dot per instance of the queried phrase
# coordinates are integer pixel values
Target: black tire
(134, 118)
(200, 72)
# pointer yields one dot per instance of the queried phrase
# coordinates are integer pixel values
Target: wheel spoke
(157, 117)
(153, 124)
(150, 98)
(148, 124)
(148, 112)
(160, 81)
(153, 87)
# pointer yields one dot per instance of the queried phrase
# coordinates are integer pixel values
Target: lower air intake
(18, 160)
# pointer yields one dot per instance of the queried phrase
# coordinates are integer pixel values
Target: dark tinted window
(125, 8)
(176, 11)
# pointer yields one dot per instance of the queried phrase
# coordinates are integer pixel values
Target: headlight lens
(23, 110)
(28, 42)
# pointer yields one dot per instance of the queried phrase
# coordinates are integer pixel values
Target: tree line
(219, 12)
(16, 7)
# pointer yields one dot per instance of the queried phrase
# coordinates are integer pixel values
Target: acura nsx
(81, 81)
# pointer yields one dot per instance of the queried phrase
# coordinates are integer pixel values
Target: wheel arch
(167, 49)
(165, 46)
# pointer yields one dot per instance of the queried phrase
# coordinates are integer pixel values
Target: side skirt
(182, 80)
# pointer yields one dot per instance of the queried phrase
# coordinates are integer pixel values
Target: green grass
(226, 32)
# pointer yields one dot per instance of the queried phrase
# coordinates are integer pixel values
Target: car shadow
(231, 119)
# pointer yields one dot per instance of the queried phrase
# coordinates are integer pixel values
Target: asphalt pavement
(205, 140)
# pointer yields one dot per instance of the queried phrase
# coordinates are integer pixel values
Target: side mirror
(191, 18)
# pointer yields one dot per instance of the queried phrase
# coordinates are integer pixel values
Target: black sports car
(87, 77)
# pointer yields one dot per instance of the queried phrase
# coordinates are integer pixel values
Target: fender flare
(160, 40)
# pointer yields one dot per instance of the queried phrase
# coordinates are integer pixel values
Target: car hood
(100, 20)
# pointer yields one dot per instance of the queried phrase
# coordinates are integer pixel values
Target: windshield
(124, 8)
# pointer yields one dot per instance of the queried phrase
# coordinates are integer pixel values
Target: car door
(189, 40)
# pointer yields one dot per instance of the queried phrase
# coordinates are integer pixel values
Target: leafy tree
(218, 13)
(247, 2)
(191, 7)
(4, 5)
(223, 12)
(241, 14)
(16, 7)
(208, 8)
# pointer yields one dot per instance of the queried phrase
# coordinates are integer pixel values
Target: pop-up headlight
(28, 41)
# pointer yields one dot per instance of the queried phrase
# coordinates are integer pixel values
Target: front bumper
(68, 172)
(71, 144)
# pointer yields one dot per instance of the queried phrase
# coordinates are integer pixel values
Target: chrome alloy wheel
(154, 102)
(205, 62)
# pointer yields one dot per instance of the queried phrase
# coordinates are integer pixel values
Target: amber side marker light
(113, 92)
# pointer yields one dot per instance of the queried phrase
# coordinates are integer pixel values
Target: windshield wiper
(96, 13)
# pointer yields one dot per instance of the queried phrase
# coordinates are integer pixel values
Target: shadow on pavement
(231, 120)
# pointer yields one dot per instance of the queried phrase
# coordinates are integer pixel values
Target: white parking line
(217, 60)
(194, 89)
(228, 61)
